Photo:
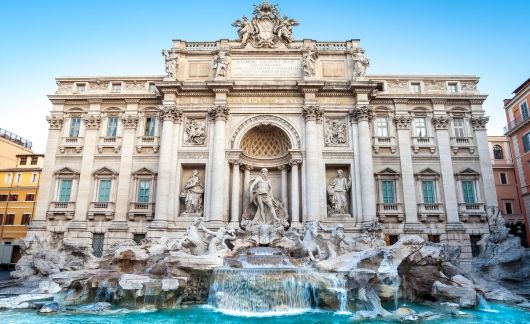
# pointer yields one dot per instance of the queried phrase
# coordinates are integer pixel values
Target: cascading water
(388, 274)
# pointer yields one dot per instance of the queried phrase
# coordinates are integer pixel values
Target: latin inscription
(266, 68)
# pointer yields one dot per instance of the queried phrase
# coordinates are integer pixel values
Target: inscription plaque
(287, 68)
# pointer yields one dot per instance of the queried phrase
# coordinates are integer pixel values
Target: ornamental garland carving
(435, 85)
(92, 121)
(335, 132)
(362, 113)
(65, 86)
(312, 112)
(402, 121)
(170, 112)
(397, 84)
(440, 122)
(218, 112)
(195, 131)
(479, 122)
(55, 121)
(135, 85)
(129, 121)
(472, 85)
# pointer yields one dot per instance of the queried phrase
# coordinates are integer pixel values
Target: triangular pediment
(388, 171)
(104, 171)
(428, 172)
(144, 171)
(66, 171)
(467, 171)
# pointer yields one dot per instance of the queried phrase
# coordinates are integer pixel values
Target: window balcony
(66, 209)
(140, 209)
(152, 142)
(423, 142)
(101, 208)
(476, 210)
(393, 210)
(516, 124)
(75, 143)
(462, 143)
(112, 142)
(384, 142)
(431, 210)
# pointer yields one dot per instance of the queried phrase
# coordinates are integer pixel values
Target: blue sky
(41, 40)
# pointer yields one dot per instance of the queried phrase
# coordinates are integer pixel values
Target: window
(526, 142)
(382, 126)
(3, 197)
(23, 160)
(391, 239)
(19, 178)
(112, 126)
(30, 197)
(504, 178)
(34, 178)
(508, 207)
(388, 191)
(143, 191)
(26, 218)
(10, 219)
(524, 109)
(475, 248)
(115, 87)
(497, 152)
(150, 123)
(428, 191)
(104, 190)
(97, 244)
(13, 197)
(433, 238)
(80, 87)
(452, 87)
(75, 123)
(152, 87)
(420, 126)
(458, 127)
(415, 87)
(34, 160)
(65, 187)
(138, 238)
(468, 191)
(8, 178)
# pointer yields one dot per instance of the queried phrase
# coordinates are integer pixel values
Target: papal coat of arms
(267, 28)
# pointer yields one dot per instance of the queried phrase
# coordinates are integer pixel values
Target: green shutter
(388, 191)
(65, 187)
(428, 192)
(143, 191)
(104, 191)
(468, 191)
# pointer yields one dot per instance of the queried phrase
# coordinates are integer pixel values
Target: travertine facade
(412, 150)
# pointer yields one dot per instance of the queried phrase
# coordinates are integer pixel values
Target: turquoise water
(201, 314)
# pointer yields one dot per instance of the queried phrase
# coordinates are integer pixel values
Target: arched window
(497, 152)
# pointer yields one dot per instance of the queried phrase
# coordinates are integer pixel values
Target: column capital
(130, 121)
(234, 161)
(283, 166)
(55, 121)
(219, 112)
(361, 113)
(171, 112)
(479, 122)
(440, 122)
(246, 167)
(312, 112)
(402, 121)
(295, 162)
(92, 121)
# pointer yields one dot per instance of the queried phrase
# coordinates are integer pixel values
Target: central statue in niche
(261, 189)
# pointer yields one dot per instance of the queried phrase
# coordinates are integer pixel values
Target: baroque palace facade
(135, 157)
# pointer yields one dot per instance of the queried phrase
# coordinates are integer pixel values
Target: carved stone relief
(335, 132)
(192, 195)
(195, 131)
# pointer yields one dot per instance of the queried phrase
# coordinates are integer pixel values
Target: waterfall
(103, 293)
(339, 286)
(388, 275)
(260, 291)
(483, 304)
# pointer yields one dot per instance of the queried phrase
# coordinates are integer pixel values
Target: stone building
(129, 157)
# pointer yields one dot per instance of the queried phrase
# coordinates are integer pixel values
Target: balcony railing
(384, 142)
(15, 138)
(66, 208)
(147, 141)
(75, 143)
(113, 142)
(472, 209)
(515, 123)
(462, 142)
(385, 210)
(141, 209)
(423, 142)
(431, 209)
(101, 208)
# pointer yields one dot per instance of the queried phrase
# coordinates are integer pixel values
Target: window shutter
(388, 191)
(428, 192)
(64, 190)
(468, 190)
(143, 192)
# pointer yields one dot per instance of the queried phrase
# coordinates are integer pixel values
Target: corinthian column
(312, 113)
(363, 115)
(295, 193)
(283, 192)
(220, 114)
(234, 213)
(168, 114)
(246, 181)
(479, 127)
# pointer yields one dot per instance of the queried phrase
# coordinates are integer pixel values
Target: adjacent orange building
(518, 133)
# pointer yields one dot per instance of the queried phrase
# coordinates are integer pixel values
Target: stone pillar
(283, 192)
(38, 222)
(236, 184)
(129, 122)
(208, 171)
(84, 192)
(402, 122)
(313, 162)
(295, 193)
(246, 182)
(220, 113)
(479, 127)
(441, 127)
(174, 185)
(168, 114)
(363, 115)
(356, 192)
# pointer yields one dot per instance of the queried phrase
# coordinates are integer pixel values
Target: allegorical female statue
(338, 194)
(193, 191)
(261, 196)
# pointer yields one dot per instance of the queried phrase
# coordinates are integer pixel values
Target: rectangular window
(19, 178)
(382, 126)
(26, 218)
(420, 126)
(524, 109)
(526, 142)
(97, 244)
(13, 197)
(150, 123)
(34, 178)
(415, 87)
(80, 87)
(458, 127)
(468, 190)
(475, 248)
(23, 160)
(30, 197)
(428, 191)
(10, 219)
(143, 191)
(152, 87)
(504, 178)
(508, 207)
(433, 238)
(75, 123)
(391, 239)
(104, 190)
(34, 160)
(3, 197)
(8, 178)
(65, 187)
(137, 238)
(452, 87)
(388, 191)
(115, 87)
(112, 126)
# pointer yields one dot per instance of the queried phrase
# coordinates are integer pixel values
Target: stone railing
(66, 208)
(113, 142)
(75, 143)
(464, 143)
(472, 209)
(385, 210)
(201, 46)
(423, 142)
(101, 208)
(137, 209)
(331, 46)
(147, 141)
(384, 142)
(431, 209)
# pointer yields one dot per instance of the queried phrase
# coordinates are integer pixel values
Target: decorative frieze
(335, 132)
(55, 121)
(440, 122)
(129, 121)
(402, 121)
(92, 121)
(361, 113)
(397, 84)
(312, 112)
(479, 122)
(195, 131)
(220, 111)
